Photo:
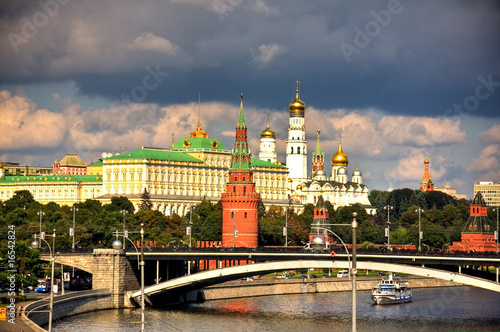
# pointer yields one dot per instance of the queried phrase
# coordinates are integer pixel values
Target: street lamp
(354, 271)
(124, 212)
(388, 230)
(72, 231)
(496, 234)
(420, 233)
(285, 230)
(35, 245)
(41, 214)
(235, 234)
(142, 278)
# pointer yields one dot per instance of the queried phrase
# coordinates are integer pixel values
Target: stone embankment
(270, 286)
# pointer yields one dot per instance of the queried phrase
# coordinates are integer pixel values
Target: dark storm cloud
(418, 58)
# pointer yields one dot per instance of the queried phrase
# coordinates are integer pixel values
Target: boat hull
(391, 299)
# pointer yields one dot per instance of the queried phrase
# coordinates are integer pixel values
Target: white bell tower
(296, 144)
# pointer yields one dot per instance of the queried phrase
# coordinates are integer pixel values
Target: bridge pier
(110, 269)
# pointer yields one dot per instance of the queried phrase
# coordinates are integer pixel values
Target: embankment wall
(36, 315)
(269, 286)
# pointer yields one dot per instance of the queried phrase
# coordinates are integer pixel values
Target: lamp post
(420, 234)
(285, 230)
(354, 271)
(41, 214)
(124, 212)
(142, 278)
(234, 226)
(73, 229)
(388, 230)
(496, 234)
(35, 245)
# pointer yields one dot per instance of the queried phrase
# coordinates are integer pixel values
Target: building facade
(490, 192)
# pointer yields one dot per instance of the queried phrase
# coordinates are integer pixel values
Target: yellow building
(490, 192)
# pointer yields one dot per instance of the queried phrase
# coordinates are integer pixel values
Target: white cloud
(267, 53)
(412, 167)
(150, 42)
(488, 159)
(491, 135)
(259, 6)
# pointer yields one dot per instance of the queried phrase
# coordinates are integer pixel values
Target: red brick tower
(321, 219)
(240, 201)
(477, 234)
(426, 183)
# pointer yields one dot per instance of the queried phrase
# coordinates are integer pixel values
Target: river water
(434, 309)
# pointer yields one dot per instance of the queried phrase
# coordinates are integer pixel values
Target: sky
(395, 79)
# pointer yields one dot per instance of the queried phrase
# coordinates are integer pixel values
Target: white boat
(392, 290)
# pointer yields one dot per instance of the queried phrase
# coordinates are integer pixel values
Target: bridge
(118, 271)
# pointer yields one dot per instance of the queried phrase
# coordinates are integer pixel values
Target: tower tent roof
(478, 200)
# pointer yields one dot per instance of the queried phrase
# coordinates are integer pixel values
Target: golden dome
(340, 158)
(297, 106)
(299, 187)
(198, 132)
(289, 180)
(268, 132)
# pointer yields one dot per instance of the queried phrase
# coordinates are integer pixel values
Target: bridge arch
(206, 278)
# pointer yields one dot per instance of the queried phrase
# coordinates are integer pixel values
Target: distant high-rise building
(490, 192)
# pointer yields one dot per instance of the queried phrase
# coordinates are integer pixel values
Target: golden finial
(319, 132)
(267, 123)
(173, 139)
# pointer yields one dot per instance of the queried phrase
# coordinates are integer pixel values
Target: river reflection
(436, 309)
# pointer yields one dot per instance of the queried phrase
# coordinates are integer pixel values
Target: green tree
(145, 201)
(21, 258)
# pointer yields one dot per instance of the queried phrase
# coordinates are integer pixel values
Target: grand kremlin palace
(193, 169)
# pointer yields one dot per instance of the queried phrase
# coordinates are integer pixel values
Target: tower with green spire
(318, 158)
(240, 201)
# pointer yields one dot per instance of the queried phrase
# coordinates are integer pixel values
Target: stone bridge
(110, 269)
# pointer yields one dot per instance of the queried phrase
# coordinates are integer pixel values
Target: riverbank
(270, 286)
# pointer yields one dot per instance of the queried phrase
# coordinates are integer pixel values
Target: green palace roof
(199, 143)
(98, 163)
(261, 163)
(154, 154)
(51, 178)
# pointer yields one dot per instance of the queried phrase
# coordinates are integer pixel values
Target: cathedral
(303, 189)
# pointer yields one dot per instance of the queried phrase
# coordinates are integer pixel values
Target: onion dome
(268, 132)
(289, 180)
(342, 171)
(299, 187)
(297, 106)
(357, 172)
(340, 158)
(319, 172)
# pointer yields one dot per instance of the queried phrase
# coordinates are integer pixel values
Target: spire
(318, 151)
(173, 140)
(241, 116)
(241, 158)
(199, 133)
